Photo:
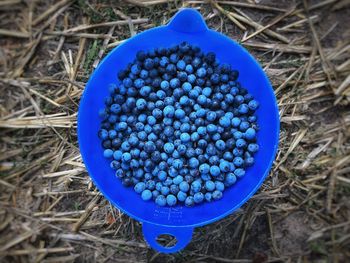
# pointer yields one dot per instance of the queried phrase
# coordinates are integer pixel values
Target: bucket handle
(183, 236)
(188, 20)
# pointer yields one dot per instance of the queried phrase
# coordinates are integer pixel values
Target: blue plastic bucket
(187, 25)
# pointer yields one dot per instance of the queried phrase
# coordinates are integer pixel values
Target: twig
(12, 33)
(279, 47)
(103, 47)
(22, 252)
(325, 63)
(273, 240)
(148, 3)
(228, 14)
(87, 213)
(240, 4)
(9, 2)
(44, 97)
(105, 24)
(49, 11)
(274, 21)
(25, 59)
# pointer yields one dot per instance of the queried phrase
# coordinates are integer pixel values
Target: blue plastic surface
(179, 221)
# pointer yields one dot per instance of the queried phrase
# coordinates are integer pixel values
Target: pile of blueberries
(179, 127)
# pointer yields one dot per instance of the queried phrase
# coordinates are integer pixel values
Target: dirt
(292, 232)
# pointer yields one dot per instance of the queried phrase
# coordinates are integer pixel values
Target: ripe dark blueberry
(215, 105)
(141, 55)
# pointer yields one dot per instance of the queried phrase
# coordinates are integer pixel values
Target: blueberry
(253, 105)
(217, 195)
(185, 127)
(184, 100)
(162, 175)
(196, 186)
(202, 131)
(238, 161)
(241, 143)
(181, 196)
(141, 55)
(139, 187)
(178, 164)
(174, 58)
(235, 122)
(148, 63)
(155, 194)
(174, 189)
(181, 65)
(165, 190)
(108, 153)
(249, 161)
(219, 186)
(164, 61)
(237, 135)
(146, 195)
(126, 146)
(169, 111)
(141, 104)
(210, 186)
(127, 82)
(184, 186)
(224, 166)
(189, 201)
(211, 116)
(191, 78)
(204, 168)
(193, 162)
(186, 86)
(169, 147)
(112, 118)
(198, 197)
(214, 170)
(171, 200)
(210, 150)
(161, 200)
(211, 128)
(225, 122)
(202, 100)
(239, 172)
(182, 76)
(194, 136)
(185, 137)
(230, 179)
(184, 47)
(189, 69)
(112, 134)
(239, 99)
(250, 134)
(178, 179)
(201, 72)
(220, 145)
(253, 147)
(170, 69)
(174, 83)
(193, 94)
(149, 147)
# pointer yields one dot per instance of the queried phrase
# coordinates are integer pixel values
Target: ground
(50, 210)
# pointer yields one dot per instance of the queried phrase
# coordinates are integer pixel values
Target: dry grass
(50, 210)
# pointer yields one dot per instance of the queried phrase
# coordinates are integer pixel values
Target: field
(50, 211)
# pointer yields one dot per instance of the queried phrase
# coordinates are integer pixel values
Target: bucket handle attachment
(188, 20)
(183, 236)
